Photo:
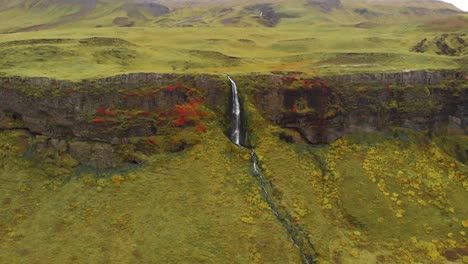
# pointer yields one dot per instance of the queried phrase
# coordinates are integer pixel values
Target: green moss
(454, 145)
(200, 202)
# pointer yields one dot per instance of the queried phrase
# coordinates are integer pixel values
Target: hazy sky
(462, 4)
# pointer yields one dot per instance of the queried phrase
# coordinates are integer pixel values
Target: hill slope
(312, 36)
(43, 14)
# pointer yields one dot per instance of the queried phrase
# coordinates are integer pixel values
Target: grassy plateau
(204, 38)
(397, 196)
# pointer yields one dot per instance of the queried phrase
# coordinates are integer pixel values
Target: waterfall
(236, 128)
(297, 235)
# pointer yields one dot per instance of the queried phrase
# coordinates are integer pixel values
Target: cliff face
(322, 110)
(64, 109)
(97, 121)
(91, 120)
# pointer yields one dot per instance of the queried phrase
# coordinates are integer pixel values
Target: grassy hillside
(375, 198)
(233, 37)
(176, 209)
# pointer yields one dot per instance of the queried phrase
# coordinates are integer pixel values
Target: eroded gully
(298, 237)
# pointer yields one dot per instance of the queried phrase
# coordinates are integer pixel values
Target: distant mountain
(44, 14)
(325, 5)
(30, 15)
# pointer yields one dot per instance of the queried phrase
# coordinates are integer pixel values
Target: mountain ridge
(103, 13)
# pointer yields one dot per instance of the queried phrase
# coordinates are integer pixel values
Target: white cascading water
(236, 113)
(236, 138)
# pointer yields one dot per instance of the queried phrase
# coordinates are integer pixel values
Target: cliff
(322, 110)
(65, 109)
(93, 119)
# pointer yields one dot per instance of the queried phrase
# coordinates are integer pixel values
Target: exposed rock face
(367, 13)
(65, 109)
(417, 78)
(63, 113)
(324, 110)
(94, 154)
(445, 44)
(80, 118)
(325, 5)
(266, 14)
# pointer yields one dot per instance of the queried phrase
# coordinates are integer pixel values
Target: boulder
(94, 154)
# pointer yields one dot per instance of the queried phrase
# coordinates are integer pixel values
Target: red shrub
(186, 114)
(200, 128)
(99, 120)
(106, 112)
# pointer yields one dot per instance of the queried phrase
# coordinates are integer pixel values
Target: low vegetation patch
(445, 44)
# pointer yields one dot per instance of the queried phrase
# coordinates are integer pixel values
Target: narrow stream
(298, 237)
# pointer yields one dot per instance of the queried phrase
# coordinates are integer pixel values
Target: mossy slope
(198, 206)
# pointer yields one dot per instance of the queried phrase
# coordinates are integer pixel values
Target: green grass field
(374, 198)
(312, 42)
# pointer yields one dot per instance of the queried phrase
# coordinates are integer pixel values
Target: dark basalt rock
(445, 44)
(266, 14)
(94, 154)
(329, 109)
(314, 110)
(325, 5)
(366, 12)
(62, 108)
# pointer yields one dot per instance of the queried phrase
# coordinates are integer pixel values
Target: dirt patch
(418, 11)
(98, 41)
(121, 56)
(367, 13)
(40, 53)
(247, 41)
(35, 42)
(366, 25)
(217, 57)
(266, 14)
(358, 59)
(445, 44)
(297, 40)
(212, 55)
(123, 22)
(231, 20)
(216, 40)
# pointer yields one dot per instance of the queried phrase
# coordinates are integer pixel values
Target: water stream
(298, 237)
(236, 114)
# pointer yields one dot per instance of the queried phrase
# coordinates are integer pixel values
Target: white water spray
(236, 113)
